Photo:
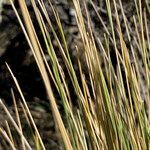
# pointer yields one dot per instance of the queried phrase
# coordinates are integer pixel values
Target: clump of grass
(111, 112)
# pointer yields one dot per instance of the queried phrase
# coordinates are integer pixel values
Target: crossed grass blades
(113, 113)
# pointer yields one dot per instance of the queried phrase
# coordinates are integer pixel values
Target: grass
(112, 110)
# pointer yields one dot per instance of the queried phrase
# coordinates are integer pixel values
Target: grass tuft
(112, 100)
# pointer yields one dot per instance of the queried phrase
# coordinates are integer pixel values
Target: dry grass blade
(15, 125)
(7, 138)
(18, 117)
(36, 47)
(25, 105)
(9, 132)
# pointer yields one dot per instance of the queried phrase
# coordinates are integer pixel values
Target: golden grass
(109, 115)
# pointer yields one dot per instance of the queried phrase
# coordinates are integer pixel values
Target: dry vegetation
(112, 104)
